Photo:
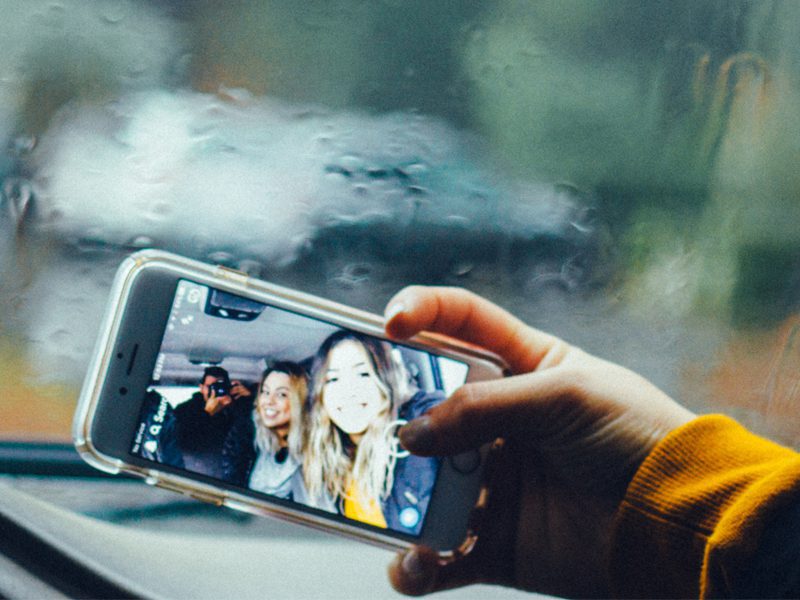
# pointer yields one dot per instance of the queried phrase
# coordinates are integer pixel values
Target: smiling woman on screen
(264, 453)
(352, 455)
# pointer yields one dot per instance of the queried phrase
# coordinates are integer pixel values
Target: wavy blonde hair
(331, 462)
(265, 439)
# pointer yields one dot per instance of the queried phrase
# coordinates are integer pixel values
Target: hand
(575, 427)
(215, 404)
(239, 390)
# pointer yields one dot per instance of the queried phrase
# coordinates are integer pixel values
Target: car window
(622, 174)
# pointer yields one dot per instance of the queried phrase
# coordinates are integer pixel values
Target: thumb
(478, 413)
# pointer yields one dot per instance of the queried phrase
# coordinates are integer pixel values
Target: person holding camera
(204, 421)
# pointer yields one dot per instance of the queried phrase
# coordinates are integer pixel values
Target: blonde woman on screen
(352, 456)
(264, 452)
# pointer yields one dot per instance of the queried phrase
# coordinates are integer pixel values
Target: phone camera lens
(123, 391)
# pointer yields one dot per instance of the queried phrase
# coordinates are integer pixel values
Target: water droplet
(338, 171)
(572, 273)
(353, 274)
(351, 162)
(251, 267)
(23, 144)
(416, 169)
(18, 195)
(236, 95)
(585, 221)
(462, 269)
(457, 221)
(221, 258)
(582, 228)
(114, 11)
(378, 173)
(141, 241)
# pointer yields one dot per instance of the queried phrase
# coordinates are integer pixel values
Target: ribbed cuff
(676, 500)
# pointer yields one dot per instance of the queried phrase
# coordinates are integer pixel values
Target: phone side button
(210, 498)
(169, 486)
(466, 463)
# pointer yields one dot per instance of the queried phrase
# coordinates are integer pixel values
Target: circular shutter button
(409, 517)
(466, 462)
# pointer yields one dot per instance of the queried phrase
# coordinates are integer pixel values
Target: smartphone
(241, 393)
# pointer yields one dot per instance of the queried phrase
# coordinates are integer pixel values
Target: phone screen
(278, 403)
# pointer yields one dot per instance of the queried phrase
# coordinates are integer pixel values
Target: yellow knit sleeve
(696, 514)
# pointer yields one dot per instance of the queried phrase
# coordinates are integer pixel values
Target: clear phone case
(221, 277)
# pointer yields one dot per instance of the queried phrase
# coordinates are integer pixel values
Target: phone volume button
(202, 496)
(170, 486)
(209, 498)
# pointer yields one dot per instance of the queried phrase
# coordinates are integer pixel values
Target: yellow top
(357, 507)
(709, 513)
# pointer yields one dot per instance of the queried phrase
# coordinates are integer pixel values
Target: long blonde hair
(331, 462)
(266, 440)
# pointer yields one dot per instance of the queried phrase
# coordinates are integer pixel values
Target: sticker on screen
(294, 407)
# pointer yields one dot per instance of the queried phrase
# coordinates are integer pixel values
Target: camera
(220, 388)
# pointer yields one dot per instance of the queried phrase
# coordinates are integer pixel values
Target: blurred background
(620, 173)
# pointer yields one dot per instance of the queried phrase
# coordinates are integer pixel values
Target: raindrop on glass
(415, 169)
(18, 194)
(251, 267)
(462, 269)
(221, 258)
(351, 162)
(352, 275)
(114, 12)
(23, 144)
(457, 220)
(141, 241)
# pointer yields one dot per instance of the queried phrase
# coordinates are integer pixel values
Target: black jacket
(414, 476)
(239, 452)
(201, 436)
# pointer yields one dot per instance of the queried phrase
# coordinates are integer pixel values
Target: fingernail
(417, 435)
(394, 310)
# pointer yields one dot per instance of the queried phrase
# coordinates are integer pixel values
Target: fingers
(419, 571)
(414, 572)
(461, 314)
(239, 390)
(478, 413)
